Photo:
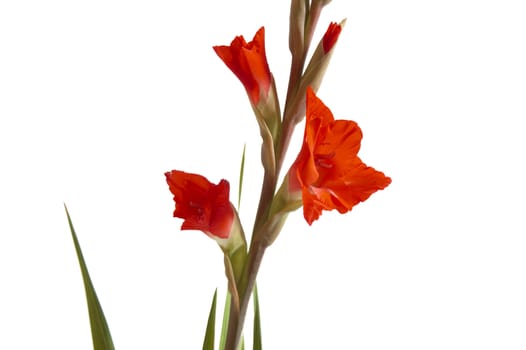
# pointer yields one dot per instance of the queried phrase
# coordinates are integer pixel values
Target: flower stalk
(303, 20)
(327, 173)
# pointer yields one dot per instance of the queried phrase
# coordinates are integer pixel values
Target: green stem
(259, 241)
(246, 285)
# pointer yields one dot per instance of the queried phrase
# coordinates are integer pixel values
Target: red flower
(331, 36)
(203, 205)
(328, 171)
(248, 62)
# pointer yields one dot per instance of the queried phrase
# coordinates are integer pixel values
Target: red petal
(248, 62)
(327, 169)
(203, 205)
(331, 36)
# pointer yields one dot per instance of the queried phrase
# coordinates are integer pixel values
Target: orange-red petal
(248, 61)
(328, 171)
(203, 205)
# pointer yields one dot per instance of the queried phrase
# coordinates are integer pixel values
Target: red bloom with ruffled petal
(328, 171)
(248, 61)
(203, 205)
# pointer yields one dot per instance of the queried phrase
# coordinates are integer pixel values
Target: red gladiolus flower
(248, 62)
(331, 36)
(328, 171)
(203, 205)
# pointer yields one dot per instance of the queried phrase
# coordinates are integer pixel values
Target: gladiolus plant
(327, 174)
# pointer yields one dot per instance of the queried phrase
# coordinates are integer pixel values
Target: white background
(99, 98)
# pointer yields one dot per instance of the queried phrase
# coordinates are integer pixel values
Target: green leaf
(241, 173)
(208, 344)
(226, 316)
(257, 323)
(100, 332)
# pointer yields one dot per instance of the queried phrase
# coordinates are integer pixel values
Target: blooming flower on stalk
(248, 62)
(328, 174)
(203, 205)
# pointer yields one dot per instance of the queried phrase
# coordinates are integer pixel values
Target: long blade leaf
(241, 173)
(208, 343)
(100, 331)
(226, 317)
(257, 345)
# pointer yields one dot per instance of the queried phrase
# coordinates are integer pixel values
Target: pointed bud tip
(331, 35)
